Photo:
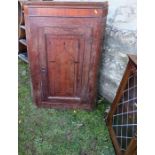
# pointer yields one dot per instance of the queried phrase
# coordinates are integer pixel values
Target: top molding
(68, 4)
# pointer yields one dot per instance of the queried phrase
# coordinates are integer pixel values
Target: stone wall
(120, 39)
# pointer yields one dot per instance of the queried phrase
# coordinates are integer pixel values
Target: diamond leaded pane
(125, 117)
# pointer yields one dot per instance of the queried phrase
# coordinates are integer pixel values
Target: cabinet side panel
(33, 56)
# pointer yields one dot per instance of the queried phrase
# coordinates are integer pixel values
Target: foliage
(59, 132)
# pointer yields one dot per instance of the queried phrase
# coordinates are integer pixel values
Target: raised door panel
(62, 61)
(64, 54)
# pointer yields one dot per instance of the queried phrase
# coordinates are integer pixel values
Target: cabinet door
(64, 54)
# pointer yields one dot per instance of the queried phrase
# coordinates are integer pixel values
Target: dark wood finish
(132, 147)
(22, 46)
(64, 43)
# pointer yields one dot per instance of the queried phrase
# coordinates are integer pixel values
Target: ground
(59, 132)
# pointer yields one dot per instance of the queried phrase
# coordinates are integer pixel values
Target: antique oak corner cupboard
(64, 44)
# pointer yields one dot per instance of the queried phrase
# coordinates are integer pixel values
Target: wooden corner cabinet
(64, 42)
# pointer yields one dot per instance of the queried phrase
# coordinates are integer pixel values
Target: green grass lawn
(59, 132)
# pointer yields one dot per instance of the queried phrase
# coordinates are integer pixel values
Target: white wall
(120, 39)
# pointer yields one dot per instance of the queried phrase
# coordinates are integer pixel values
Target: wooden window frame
(132, 147)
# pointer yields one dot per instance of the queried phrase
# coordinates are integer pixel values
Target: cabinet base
(65, 106)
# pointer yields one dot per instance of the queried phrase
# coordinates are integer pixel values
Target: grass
(59, 132)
